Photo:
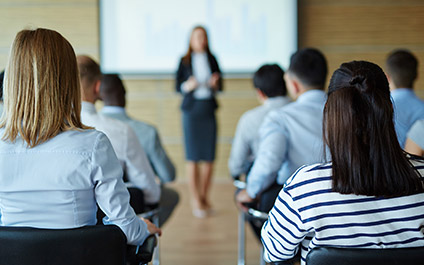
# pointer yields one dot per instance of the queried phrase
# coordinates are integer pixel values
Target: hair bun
(357, 81)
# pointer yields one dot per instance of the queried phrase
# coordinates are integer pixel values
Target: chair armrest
(142, 254)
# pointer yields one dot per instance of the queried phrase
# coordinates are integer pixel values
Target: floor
(213, 240)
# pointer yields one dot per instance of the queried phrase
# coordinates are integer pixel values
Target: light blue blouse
(57, 184)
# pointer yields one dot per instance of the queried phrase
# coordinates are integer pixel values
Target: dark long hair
(187, 56)
(359, 131)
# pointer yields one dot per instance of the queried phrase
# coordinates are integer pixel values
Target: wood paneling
(343, 29)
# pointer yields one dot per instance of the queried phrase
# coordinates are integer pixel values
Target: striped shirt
(307, 213)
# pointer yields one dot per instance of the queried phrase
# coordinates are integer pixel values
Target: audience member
(402, 71)
(54, 169)
(371, 194)
(272, 94)
(415, 139)
(128, 149)
(291, 136)
(112, 92)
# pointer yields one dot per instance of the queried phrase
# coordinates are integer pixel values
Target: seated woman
(370, 196)
(53, 169)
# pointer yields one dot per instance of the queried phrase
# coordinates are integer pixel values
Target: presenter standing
(198, 79)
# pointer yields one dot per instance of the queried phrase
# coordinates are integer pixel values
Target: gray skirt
(199, 125)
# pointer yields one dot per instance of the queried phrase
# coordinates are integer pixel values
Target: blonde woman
(53, 169)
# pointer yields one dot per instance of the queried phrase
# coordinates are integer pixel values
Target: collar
(312, 95)
(88, 107)
(402, 92)
(113, 110)
(275, 101)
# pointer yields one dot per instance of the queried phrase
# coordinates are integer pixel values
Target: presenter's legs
(192, 168)
(205, 183)
(199, 178)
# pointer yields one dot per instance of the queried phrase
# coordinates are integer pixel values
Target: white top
(128, 150)
(57, 184)
(149, 139)
(308, 214)
(246, 139)
(202, 74)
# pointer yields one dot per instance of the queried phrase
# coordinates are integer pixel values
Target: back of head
(112, 90)
(359, 131)
(402, 68)
(41, 87)
(269, 79)
(310, 67)
(89, 71)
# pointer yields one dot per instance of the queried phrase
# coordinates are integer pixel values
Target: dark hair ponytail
(359, 131)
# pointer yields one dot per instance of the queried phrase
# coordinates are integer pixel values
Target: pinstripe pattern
(308, 214)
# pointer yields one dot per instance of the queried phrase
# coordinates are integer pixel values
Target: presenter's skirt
(199, 125)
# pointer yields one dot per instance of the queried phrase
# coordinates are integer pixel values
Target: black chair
(103, 245)
(355, 256)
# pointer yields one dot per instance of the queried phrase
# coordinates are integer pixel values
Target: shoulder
(252, 113)
(143, 128)
(310, 178)
(418, 163)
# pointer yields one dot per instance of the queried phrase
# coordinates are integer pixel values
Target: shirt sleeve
(112, 195)
(416, 133)
(160, 160)
(240, 150)
(284, 230)
(270, 157)
(138, 169)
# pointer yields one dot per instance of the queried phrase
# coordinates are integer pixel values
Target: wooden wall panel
(343, 29)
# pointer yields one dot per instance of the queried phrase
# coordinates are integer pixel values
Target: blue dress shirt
(408, 108)
(289, 138)
(246, 140)
(56, 184)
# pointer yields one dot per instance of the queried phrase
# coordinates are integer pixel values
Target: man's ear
(97, 88)
(296, 85)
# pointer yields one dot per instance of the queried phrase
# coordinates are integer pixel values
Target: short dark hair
(269, 79)
(402, 68)
(310, 66)
(112, 90)
(1, 85)
(359, 131)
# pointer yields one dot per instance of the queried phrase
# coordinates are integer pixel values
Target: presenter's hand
(191, 83)
(214, 81)
(243, 198)
(153, 229)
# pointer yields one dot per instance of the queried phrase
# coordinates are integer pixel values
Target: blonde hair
(41, 89)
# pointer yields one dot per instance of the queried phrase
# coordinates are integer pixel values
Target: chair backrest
(355, 256)
(87, 245)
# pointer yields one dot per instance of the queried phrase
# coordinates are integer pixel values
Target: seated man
(272, 94)
(292, 135)
(123, 139)
(112, 92)
(401, 70)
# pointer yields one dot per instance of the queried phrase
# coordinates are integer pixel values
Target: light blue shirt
(149, 140)
(417, 133)
(289, 138)
(56, 184)
(246, 140)
(408, 108)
